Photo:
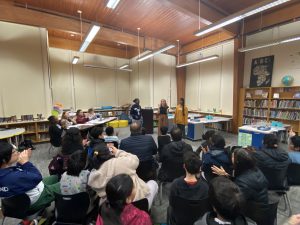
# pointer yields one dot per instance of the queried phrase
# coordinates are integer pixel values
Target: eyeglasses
(14, 151)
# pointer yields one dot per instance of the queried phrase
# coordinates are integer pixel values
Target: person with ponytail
(117, 209)
(181, 116)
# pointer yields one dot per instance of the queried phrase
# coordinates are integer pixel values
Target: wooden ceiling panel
(231, 6)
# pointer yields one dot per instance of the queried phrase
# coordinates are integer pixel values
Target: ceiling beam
(15, 14)
(284, 14)
(205, 42)
(208, 15)
(57, 42)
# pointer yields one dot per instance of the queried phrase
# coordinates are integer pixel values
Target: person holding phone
(24, 177)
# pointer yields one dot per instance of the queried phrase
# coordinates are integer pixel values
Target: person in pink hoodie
(117, 209)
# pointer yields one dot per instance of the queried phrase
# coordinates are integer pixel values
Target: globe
(287, 80)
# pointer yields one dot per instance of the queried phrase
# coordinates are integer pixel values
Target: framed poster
(261, 71)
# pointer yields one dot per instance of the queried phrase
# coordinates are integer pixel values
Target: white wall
(210, 84)
(154, 79)
(24, 83)
(286, 56)
(83, 87)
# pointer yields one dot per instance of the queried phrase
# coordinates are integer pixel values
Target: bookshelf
(35, 130)
(270, 104)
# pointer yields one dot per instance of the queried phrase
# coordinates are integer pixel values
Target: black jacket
(143, 146)
(254, 185)
(172, 160)
(162, 141)
(182, 189)
(136, 112)
(55, 135)
(209, 219)
(272, 158)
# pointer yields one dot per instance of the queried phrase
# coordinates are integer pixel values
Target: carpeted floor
(41, 159)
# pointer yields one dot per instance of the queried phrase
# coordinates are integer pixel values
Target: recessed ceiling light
(72, 35)
(79, 11)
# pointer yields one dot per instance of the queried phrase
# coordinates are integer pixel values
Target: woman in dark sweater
(162, 115)
(247, 176)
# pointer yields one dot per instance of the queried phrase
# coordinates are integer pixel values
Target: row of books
(256, 112)
(248, 121)
(43, 136)
(285, 104)
(288, 115)
(43, 127)
(256, 103)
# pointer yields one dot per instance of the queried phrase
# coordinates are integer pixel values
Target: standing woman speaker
(162, 114)
(181, 116)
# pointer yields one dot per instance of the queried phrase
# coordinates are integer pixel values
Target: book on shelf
(255, 112)
(288, 115)
(256, 103)
(249, 121)
(285, 104)
(276, 95)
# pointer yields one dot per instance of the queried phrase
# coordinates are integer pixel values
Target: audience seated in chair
(68, 120)
(172, 157)
(163, 139)
(215, 155)
(251, 181)
(188, 187)
(294, 147)
(55, 131)
(72, 141)
(75, 179)
(91, 115)
(108, 164)
(226, 200)
(270, 156)
(111, 137)
(25, 178)
(206, 143)
(81, 117)
(96, 138)
(118, 209)
(144, 147)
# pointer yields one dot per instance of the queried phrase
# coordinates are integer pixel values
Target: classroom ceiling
(161, 21)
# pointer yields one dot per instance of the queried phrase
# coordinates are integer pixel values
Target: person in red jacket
(80, 117)
(117, 209)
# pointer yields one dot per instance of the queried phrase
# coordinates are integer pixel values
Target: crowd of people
(117, 173)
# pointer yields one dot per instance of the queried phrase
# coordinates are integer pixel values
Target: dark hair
(52, 119)
(182, 99)
(208, 134)
(143, 131)
(101, 155)
(71, 141)
(270, 141)
(176, 134)
(90, 110)
(109, 131)
(296, 141)
(76, 163)
(96, 132)
(192, 162)
(243, 160)
(135, 128)
(118, 189)
(78, 111)
(136, 100)
(164, 130)
(225, 197)
(5, 152)
(218, 141)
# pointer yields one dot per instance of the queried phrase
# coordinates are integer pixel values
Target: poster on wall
(261, 71)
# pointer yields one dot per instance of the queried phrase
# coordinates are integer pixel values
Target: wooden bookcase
(36, 130)
(270, 104)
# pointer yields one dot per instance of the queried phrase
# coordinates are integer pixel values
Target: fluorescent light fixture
(105, 67)
(112, 4)
(75, 60)
(89, 37)
(151, 54)
(277, 42)
(124, 66)
(262, 6)
(208, 58)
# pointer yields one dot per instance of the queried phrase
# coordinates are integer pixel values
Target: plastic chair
(18, 207)
(142, 205)
(293, 174)
(262, 214)
(186, 211)
(71, 209)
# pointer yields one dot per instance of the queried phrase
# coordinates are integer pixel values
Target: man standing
(136, 112)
